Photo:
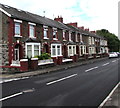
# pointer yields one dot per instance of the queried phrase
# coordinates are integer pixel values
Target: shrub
(43, 56)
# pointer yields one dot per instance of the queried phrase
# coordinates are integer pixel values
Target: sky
(92, 14)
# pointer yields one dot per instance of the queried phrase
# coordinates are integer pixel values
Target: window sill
(32, 37)
(55, 39)
(64, 40)
(45, 38)
(17, 36)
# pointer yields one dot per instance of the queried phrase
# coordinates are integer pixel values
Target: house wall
(4, 23)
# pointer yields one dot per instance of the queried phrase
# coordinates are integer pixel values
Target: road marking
(105, 64)
(91, 69)
(105, 100)
(15, 79)
(114, 61)
(11, 96)
(61, 79)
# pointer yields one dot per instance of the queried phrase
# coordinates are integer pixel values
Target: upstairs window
(45, 32)
(70, 36)
(76, 35)
(54, 33)
(17, 28)
(64, 35)
(32, 30)
(81, 40)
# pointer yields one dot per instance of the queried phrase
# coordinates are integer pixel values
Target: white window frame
(90, 40)
(54, 32)
(93, 41)
(64, 37)
(72, 53)
(76, 36)
(56, 50)
(32, 44)
(70, 36)
(17, 24)
(81, 39)
(45, 30)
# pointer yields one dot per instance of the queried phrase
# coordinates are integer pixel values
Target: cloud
(93, 14)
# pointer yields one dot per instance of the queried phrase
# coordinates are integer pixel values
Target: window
(45, 32)
(71, 50)
(70, 38)
(32, 49)
(81, 38)
(32, 31)
(64, 34)
(53, 50)
(56, 50)
(76, 37)
(89, 40)
(17, 28)
(54, 33)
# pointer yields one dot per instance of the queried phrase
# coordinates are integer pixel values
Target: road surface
(86, 85)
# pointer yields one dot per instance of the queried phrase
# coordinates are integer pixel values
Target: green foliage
(43, 56)
(113, 41)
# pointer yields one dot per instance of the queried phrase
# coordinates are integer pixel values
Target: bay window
(32, 49)
(71, 50)
(56, 50)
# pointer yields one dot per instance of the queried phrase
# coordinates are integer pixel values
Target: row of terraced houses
(25, 34)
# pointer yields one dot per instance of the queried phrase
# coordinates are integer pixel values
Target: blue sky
(92, 14)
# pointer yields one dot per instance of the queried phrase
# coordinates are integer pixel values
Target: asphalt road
(86, 85)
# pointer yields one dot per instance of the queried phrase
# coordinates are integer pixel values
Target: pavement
(49, 69)
(112, 100)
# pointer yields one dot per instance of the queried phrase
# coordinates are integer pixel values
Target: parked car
(113, 54)
(118, 53)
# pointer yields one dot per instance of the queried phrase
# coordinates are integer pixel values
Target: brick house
(25, 35)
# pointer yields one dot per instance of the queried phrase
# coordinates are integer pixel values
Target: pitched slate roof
(30, 17)
(74, 29)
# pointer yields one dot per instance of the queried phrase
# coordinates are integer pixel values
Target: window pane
(58, 50)
(29, 51)
(32, 32)
(70, 50)
(29, 47)
(45, 33)
(36, 50)
(17, 28)
(53, 51)
(54, 34)
(36, 47)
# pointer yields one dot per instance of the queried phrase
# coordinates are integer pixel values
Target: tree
(113, 41)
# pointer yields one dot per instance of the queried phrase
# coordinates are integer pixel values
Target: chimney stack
(93, 32)
(59, 19)
(81, 27)
(87, 29)
(73, 24)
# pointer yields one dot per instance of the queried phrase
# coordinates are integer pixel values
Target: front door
(17, 54)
